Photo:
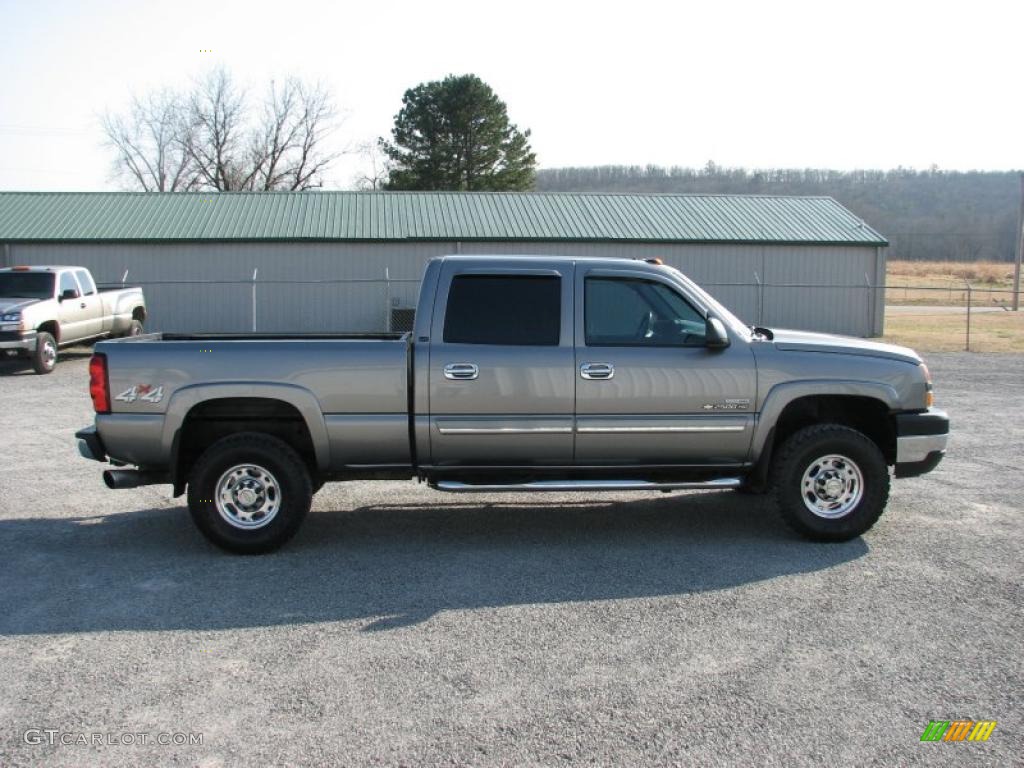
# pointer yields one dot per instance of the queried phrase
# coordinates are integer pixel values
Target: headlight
(14, 317)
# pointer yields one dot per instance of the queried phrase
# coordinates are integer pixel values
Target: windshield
(26, 285)
(717, 309)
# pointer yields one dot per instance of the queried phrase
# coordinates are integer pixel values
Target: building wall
(341, 286)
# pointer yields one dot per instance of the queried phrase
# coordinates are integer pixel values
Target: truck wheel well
(50, 327)
(209, 421)
(139, 313)
(865, 414)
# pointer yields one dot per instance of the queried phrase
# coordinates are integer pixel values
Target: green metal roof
(424, 216)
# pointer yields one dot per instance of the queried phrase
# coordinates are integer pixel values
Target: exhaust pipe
(116, 479)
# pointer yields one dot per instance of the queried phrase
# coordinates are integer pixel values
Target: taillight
(99, 384)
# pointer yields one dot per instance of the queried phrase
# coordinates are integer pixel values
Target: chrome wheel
(832, 486)
(49, 353)
(247, 496)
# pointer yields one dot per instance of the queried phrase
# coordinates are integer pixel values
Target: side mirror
(715, 335)
(68, 293)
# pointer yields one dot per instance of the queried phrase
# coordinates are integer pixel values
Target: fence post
(968, 346)
(870, 306)
(387, 300)
(760, 298)
(254, 273)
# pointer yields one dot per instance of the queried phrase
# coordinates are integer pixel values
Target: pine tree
(455, 134)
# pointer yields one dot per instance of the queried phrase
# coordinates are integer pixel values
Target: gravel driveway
(407, 627)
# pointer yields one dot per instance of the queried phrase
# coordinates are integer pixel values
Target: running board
(455, 486)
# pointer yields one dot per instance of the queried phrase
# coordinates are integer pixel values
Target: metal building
(351, 261)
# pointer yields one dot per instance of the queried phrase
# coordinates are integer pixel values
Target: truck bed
(355, 385)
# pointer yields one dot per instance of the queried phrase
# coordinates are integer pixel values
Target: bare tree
(150, 142)
(211, 139)
(286, 150)
(375, 167)
(215, 140)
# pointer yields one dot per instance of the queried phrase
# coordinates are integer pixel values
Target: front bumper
(921, 440)
(23, 340)
(90, 445)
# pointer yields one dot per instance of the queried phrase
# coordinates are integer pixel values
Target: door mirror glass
(69, 293)
(715, 334)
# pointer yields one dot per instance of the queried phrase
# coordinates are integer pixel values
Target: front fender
(783, 394)
(186, 398)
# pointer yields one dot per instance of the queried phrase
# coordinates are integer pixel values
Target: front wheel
(830, 482)
(249, 493)
(45, 357)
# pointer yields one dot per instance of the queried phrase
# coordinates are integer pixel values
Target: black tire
(44, 359)
(134, 328)
(806, 451)
(288, 485)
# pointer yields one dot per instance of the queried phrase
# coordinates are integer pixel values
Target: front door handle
(597, 370)
(461, 371)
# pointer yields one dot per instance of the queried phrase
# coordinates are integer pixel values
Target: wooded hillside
(933, 214)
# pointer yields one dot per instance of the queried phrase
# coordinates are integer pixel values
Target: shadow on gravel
(390, 565)
(14, 366)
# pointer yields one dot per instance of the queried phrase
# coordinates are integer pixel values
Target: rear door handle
(597, 370)
(461, 371)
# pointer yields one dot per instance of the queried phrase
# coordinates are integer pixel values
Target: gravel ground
(407, 627)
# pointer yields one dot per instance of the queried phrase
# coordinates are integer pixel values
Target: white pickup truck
(43, 308)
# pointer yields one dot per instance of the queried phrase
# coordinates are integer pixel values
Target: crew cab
(521, 374)
(44, 308)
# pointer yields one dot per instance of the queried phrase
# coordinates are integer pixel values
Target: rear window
(85, 280)
(499, 309)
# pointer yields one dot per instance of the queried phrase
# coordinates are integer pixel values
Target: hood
(13, 305)
(805, 341)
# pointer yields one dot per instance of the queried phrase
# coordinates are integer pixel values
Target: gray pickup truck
(44, 308)
(521, 374)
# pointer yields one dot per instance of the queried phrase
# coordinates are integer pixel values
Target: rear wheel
(249, 493)
(45, 357)
(134, 328)
(830, 482)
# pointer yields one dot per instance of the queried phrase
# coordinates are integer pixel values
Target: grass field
(984, 274)
(935, 332)
(942, 283)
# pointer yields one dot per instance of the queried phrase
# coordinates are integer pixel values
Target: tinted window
(627, 312)
(486, 309)
(67, 282)
(84, 279)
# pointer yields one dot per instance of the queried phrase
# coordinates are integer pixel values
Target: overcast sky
(757, 84)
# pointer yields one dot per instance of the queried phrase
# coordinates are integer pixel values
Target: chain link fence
(952, 317)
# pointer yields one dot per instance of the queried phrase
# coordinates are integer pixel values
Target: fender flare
(781, 395)
(186, 398)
